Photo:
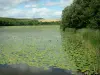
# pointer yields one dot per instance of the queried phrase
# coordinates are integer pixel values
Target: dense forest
(82, 14)
(24, 22)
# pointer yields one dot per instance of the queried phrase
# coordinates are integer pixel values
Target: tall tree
(82, 14)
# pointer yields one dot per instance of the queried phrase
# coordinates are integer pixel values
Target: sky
(48, 9)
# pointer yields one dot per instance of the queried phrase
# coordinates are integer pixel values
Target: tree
(81, 14)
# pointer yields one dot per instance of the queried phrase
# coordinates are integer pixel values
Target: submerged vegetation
(24, 22)
(38, 46)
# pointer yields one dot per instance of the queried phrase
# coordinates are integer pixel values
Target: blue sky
(48, 9)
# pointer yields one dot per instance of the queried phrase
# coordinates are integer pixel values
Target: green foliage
(24, 22)
(50, 23)
(17, 22)
(83, 49)
(82, 14)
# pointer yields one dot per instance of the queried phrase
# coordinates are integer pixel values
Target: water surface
(38, 46)
(47, 50)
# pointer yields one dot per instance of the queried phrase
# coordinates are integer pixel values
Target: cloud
(7, 4)
(61, 3)
(66, 2)
(31, 6)
(52, 3)
(58, 13)
(32, 13)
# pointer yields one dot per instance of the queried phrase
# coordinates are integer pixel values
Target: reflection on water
(24, 69)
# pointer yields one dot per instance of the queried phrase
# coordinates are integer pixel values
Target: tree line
(24, 22)
(81, 14)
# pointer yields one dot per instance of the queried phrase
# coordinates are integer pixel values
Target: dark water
(24, 69)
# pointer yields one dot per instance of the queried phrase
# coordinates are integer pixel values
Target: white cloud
(32, 13)
(65, 2)
(42, 12)
(62, 3)
(7, 9)
(30, 6)
(58, 13)
(52, 3)
(6, 4)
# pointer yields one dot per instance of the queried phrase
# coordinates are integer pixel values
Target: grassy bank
(83, 48)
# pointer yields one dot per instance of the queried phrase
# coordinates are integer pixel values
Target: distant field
(49, 20)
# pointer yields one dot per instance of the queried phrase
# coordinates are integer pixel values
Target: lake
(38, 46)
(43, 47)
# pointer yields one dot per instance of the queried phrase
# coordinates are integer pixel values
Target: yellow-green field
(49, 20)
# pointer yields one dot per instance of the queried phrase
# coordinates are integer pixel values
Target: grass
(83, 49)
